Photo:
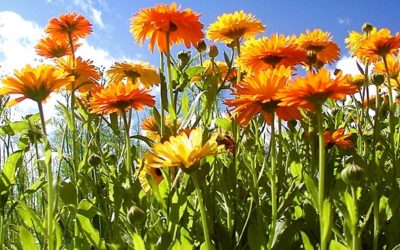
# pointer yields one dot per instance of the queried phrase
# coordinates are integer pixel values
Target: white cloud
(348, 65)
(344, 20)
(99, 56)
(95, 14)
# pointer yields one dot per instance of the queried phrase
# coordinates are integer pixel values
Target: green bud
(94, 160)
(136, 216)
(353, 175)
(377, 78)
(367, 28)
(212, 50)
(201, 46)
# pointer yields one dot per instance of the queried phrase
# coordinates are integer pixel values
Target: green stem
(375, 203)
(321, 167)
(50, 188)
(128, 160)
(356, 238)
(2, 229)
(162, 94)
(274, 203)
(203, 214)
(170, 87)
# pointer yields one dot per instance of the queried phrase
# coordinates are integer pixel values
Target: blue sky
(111, 39)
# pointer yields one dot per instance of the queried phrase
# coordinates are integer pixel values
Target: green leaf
(185, 103)
(312, 190)
(8, 171)
(138, 242)
(29, 217)
(114, 123)
(351, 207)
(145, 139)
(163, 92)
(186, 121)
(224, 123)
(35, 186)
(90, 233)
(67, 192)
(306, 241)
(67, 116)
(193, 71)
(334, 245)
(327, 220)
(27, 239)
(256, 237)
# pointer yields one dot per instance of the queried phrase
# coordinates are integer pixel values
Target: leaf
(185, 103)
(8, 171)
(326, 221)
(29, 217)
(14, 128)
(256, 237)
(334, 245)
(67, 192)
(296, 169)
(27, 239)
(90, 233)
(312, 189)
(224, 123)
(186, 121)
(35, 186)
(138, 242)
(114, 123)
(351, 206)
(67, 116)
(145, 139)
(193, 71)
(163, 92)
(306, 241)
(360, 68)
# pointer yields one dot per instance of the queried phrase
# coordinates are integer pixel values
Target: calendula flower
(355, 39)
(69, 26)
(380, 44)
(143, 170)
(356, 80)
(275, 51)
(162, 21)
(34, 83)
(136, 73)
(393, 67)
(319, 43)
(257, 94)
(338, 138)
(83, 71)
(117, 97)
(314, 89)
(183, 150)
(218, 68)
(53, 48)
(234, 26)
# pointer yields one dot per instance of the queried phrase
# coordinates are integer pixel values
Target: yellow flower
(234, 26)
(135, 73)
(393, 67)
(354, 40)
(379, 45)
(34, 83)
(182, 151)
(142, 170)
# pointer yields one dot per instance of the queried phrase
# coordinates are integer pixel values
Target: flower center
(315, 47)
(271, 59)
(234, 33)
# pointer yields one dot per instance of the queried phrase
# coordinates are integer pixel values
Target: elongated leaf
(90, 233)
(312, 189)
(224, 123)
(193, 107)
(334, 245)
(306, 241)
(138, 242)
(145, 139)
(257, 239)
(327, 220)
(67, 116)
(350, 205)
(29, 217)
(8, 171)
(27, 239)
(114, 123)
(193, 71)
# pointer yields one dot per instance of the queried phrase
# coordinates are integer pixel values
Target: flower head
(183, 150)
(143, 171)
(53, 48)
(393, 67)
(181, 26)
(83, 71)
(257, 94)
(354, 41)
(136, 73)
(275, 51)
(34, 83)
(379, 45)
(319, 43)
(338, 138)
(314, 89)
(69, 25)
(117, 97)
(234, 26)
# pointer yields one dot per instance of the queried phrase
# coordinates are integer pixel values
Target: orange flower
(136, 73)
(393, 66)
(162, 20)
(234, 26)
(85, 73)
(354, 41)
(319, 43)
(51, 48)
(257, 94)
(278, 50)
(338, 138)
(34, 83)
(379, 45)
(68, 26)
(314, 89)
(117, 97)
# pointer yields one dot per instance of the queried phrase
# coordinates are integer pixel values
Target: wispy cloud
(343, 20)
(88, 7)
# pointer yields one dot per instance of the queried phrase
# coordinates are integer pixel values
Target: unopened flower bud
(212, 51)
(311, 57)
(201, 46)
(353, 175)
(136, 216)
(377, 78)
(367, 28)
(184, 57)
(94, 160)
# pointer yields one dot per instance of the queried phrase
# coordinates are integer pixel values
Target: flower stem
(170, 87)
(128, 160)
(375, 204)
(2, 229)
(321, 167)
(203, 214)
(50, 188)
(356, 238)
(274, 214)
